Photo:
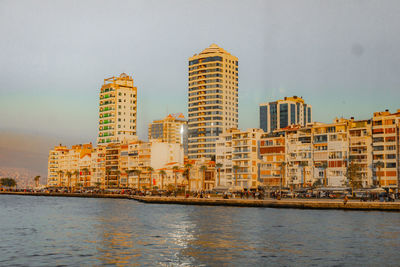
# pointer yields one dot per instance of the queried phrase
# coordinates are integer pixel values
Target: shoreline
(67, 195)
(319, 204)
(273, 203)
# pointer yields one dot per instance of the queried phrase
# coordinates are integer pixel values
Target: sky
(342, 57)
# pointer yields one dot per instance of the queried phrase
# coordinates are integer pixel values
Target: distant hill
(24, 177)
(23, 156)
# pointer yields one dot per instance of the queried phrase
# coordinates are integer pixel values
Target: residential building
(171, 129)
(70, 167)
(331, 145)
(272, 164)
(243, 154)
(213, 99)
(360, 149)
(300, 157)
(202, 174)
(98, 166)
(282, 113)
(385, 141)
(117, 110)
(223, 158)
(55, 158)
(155, 155)
(112, 165)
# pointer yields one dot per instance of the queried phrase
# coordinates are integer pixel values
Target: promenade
(236, 202)
(273, 203)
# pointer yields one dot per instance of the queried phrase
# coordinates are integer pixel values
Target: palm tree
(303, 164)
(176, 169)
(353, 175)
(188, 166)
(118, 173)
(76, 174)
(282, 166)
(9, 182)
(138, 172)
(379, 165)
(85, 173)
(235, 169)
(162, 174)
(150, 170)
(36, 179)
(60, 173)
(69, 174)
(108, 172)
(203, 168)
(219, 166)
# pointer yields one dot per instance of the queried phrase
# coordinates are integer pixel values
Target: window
(283, 114)
(391, 165)
(292, 113)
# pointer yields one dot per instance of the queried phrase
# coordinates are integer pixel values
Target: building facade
(272, 164)
(117, 110)
(171, 129)
(282, 113)
(213, 104)
(385, 138)
(239, 157)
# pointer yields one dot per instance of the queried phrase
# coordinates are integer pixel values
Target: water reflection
(38, 231)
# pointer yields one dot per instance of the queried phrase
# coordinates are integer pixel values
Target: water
(39, 231)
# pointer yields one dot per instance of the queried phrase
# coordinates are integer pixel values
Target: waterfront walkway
(273, 203)
(238, 202)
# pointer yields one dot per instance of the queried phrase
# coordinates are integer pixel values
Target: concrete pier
(272, 203)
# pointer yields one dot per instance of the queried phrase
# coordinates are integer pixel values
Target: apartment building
(243, 155)
(331, 145)
(155, 155)
(284, 112)
(360, 149)
(272, 166)
(98, 166)
(299, 157)
(201, 174)
(55, 159)
(117, 110)
(213, 99)
(70, 167)
(171, 129)
(385, 138)
(224, 158)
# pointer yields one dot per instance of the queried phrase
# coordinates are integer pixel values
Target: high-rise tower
(117, 110)
(282, 113)
(213, 99)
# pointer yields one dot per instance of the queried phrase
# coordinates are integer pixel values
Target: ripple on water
(39, 231)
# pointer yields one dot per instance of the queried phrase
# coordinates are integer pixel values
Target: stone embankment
(272, 203)
(85, 195)
(268, 203)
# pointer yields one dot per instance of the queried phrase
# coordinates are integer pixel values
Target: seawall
(269, 203)
(66, 195)
(284, 203)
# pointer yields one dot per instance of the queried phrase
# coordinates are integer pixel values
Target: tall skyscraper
(171, 129)
(282, 113)
(213, 99)
(117, 110)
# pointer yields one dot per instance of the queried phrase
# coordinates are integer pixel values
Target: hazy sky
(341, 56)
